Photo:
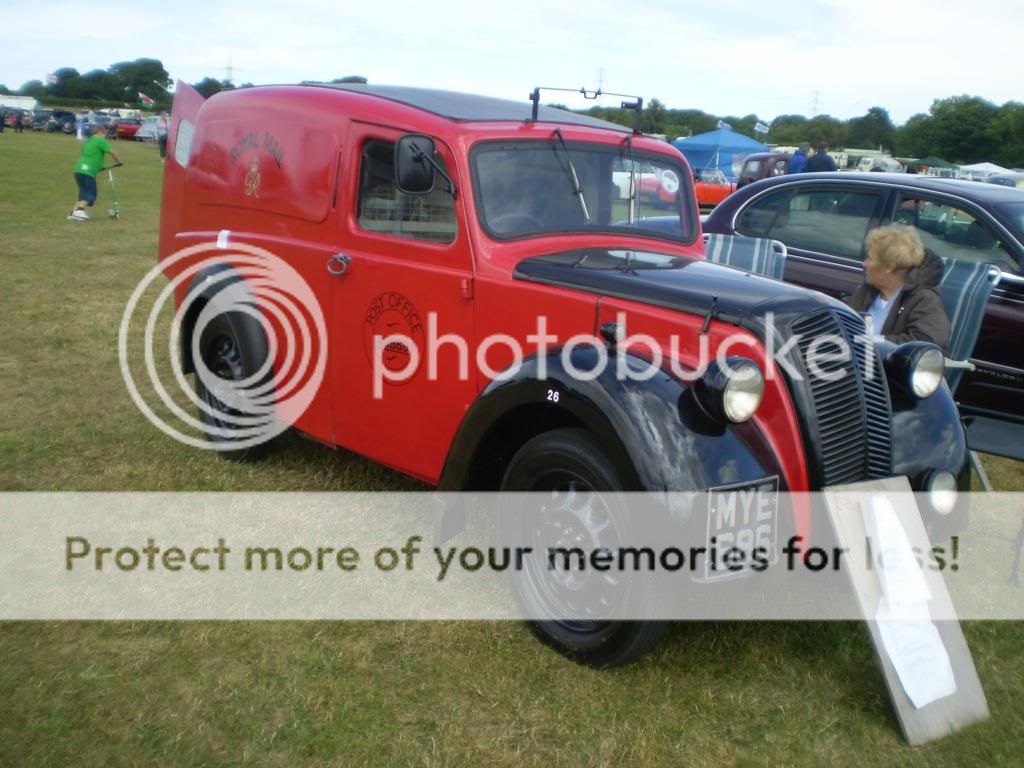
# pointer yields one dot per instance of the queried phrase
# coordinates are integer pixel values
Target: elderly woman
(900, 296)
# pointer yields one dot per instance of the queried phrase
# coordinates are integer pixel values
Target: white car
(887, 164)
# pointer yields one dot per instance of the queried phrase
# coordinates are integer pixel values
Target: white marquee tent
(18, 102)
(982, 170)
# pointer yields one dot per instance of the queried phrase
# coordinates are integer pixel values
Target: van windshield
(529, 188)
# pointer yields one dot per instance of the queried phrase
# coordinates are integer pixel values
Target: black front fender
(927, 436)
(654, 432)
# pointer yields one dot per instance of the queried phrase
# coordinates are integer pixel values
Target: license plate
(742, 528)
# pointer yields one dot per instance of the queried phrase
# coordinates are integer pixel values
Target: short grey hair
(897, 246)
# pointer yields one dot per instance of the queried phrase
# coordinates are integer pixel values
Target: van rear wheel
(566, 470)
(233, 348)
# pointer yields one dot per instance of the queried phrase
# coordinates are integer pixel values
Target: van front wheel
(565, 471)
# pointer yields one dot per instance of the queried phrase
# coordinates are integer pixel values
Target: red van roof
(464, 107)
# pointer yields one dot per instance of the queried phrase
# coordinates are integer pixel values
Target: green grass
(289, 693)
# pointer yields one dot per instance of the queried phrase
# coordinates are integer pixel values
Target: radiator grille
(851, 424)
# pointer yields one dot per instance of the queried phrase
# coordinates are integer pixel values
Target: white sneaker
(79, 215)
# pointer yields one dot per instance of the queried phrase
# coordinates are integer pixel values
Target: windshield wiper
(576, 189)
(632, 182)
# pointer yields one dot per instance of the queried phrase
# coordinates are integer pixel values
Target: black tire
(571, 459)
(233, 346)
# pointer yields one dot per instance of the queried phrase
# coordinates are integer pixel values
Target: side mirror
(414, 171)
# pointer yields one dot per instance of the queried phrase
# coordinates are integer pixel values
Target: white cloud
(732, 58)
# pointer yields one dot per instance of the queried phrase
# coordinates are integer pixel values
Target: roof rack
(637, 105)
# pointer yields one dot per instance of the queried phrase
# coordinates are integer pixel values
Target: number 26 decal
(553, 395)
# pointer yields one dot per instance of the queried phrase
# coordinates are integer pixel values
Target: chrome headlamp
(731, 389)
(917, 367)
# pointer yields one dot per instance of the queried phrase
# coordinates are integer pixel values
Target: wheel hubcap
(573, 522)
(223, 358)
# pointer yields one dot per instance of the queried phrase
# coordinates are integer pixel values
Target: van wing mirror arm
(419, 154)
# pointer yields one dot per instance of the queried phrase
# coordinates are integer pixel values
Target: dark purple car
(823, 218)
(762, 165)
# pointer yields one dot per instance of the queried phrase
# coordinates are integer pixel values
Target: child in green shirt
(89, 164)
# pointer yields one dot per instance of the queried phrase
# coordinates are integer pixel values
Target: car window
(712, 176)
(382, 208)
(1014, 214)
(951, 232)
(828, 221)
(779, 169)
(757, 219)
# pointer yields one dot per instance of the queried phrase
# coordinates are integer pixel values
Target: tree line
(121, 83)
(959, 129)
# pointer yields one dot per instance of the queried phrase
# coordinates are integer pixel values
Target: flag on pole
(760, 127)
(51, 79)
(145, 99)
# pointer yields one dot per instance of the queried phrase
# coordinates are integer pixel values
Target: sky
(726, 57)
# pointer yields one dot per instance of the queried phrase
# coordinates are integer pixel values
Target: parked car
(882, 163)
(823, 217)
(762, 165)
(40, 118)
(148, 130)
(1007, 180)
(711, 186)
(655, 185)
(56, 122)
(128, 127)
(475, 217)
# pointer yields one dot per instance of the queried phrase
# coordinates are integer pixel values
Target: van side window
(382, 208)
(183, 142)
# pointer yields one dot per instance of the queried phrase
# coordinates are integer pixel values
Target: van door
(404, 267)
(242, 178)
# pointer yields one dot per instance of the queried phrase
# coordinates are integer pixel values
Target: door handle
(338, 263)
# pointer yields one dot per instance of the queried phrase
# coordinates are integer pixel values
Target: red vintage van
(415, 215)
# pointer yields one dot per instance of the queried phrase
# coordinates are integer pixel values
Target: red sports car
(712, 187)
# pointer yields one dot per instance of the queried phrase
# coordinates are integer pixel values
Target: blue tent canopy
(721, 148)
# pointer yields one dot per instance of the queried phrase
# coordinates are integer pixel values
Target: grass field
(291, 693)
